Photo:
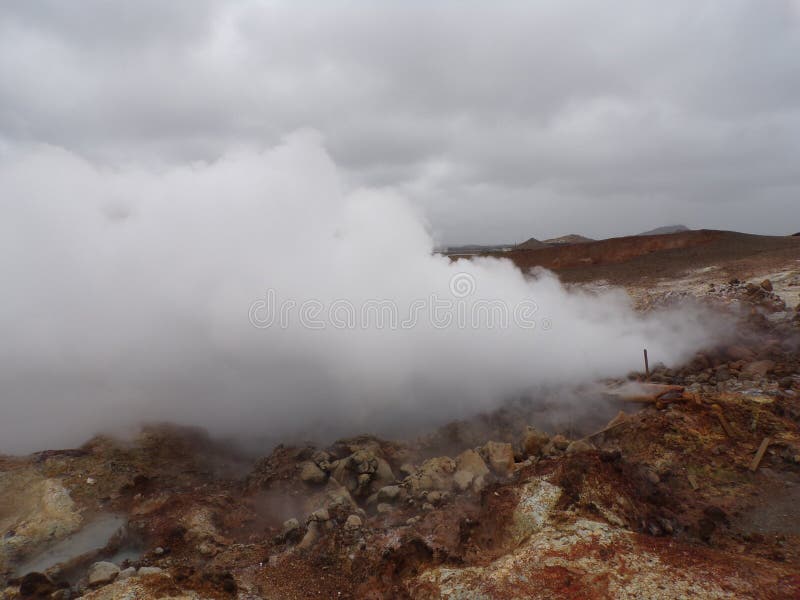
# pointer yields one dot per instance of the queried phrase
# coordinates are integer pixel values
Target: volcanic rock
(353, 522)
(471, 461)
(501, 457)
(389, 493)
(434, 474)
(102, 572)
(534, 441)
(311, 473)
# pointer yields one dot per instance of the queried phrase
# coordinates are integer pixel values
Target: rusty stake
(646, 366)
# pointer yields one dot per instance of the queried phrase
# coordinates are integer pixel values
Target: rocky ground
(691, 491)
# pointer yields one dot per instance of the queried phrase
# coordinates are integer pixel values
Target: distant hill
(666, 229)
(475, 249)
(532, 244)
(637, 256)
(572, 238)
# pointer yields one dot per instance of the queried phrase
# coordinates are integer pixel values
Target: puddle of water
(92, 537)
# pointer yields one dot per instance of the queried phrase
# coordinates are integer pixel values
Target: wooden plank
(760, 454)
(726, 427)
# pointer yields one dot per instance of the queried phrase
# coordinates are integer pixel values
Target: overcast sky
(502, 120)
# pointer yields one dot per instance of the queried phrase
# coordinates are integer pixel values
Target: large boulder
(310, 473)
(362, 473)
(501, 458)
(463, 479)
(534, 441)
(433, 474)
(471, 461)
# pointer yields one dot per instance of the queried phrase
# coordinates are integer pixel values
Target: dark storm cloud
(503, 120)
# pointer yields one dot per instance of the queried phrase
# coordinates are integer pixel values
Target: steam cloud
(126, 296)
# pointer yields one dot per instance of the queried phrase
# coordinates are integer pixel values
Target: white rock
(353, 522)
(389, 493)
(102, 572)
(463, 479)
(471, 461)
(501, 457)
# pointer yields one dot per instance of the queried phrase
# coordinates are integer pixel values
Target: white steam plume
(128, 295)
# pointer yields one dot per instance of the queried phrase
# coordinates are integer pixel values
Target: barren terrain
(680, 483)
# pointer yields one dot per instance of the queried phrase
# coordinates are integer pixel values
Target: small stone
(207, 549)
(427, 506)
(289, 526)
(91, 480)
(413, 520)
(653, 477)
(320, 515)
(102, 572)
(126, 573)
(767, 285)
(158, 551)
(437, 497)
(560, 442)
(149, 570)
(352, 523)
(383, 508)
(311, 536)
(389, 493)
(312, 474)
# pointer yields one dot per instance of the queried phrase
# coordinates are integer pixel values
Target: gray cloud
(501, 121)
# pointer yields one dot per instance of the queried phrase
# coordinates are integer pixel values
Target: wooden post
(646, 366)
(760, 454)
